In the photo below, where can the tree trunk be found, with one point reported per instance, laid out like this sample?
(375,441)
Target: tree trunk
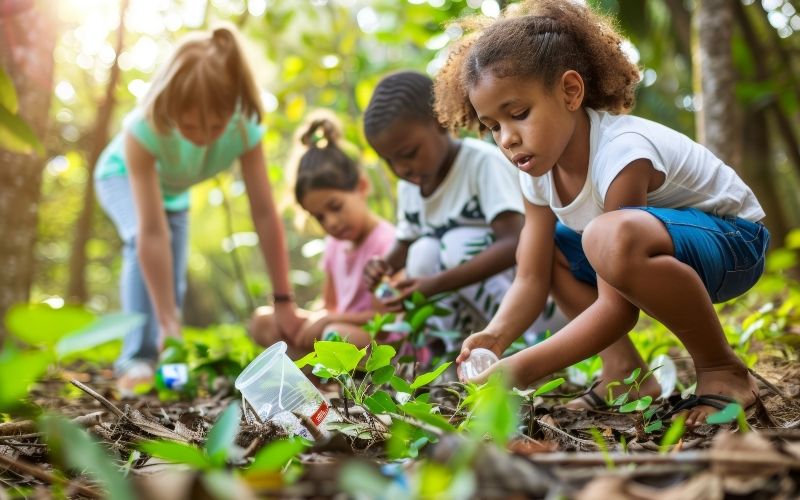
(715,79)
(27,39)
(76,289)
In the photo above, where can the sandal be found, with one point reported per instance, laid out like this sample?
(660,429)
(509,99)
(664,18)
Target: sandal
(716,401)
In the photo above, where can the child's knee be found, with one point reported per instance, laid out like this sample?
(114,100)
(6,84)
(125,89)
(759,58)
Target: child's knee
(609,242)
(462,244)
(423,258)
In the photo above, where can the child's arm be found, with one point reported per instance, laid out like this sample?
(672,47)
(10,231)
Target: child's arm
(527,295)
(153,240)
(270,234)
(497,257)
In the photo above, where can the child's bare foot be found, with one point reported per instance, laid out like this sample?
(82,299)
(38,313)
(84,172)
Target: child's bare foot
(734,382)
(596,398)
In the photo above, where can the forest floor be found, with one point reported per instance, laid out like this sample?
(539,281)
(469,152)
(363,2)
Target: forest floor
(556,453)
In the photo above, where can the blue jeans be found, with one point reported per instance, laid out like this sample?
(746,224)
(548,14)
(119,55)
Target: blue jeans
(728,253)
(116,199)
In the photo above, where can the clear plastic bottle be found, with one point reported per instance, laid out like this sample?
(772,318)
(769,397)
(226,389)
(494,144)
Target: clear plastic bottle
(479,360)
(385,290)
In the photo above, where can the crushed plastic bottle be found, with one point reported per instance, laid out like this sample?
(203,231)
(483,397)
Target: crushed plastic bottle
(385,290)
(479,360)
(172,376)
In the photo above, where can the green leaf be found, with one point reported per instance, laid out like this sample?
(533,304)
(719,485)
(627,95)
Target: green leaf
(105,329)
(380,402)
(420,316)
(308,359)
(380,357)
(653,426)
(633,376)
(18,370)
(673,434)
(16,135)
(621,399)
(400,385)
(382,375)
(640,404)
(39,324)
(338,357)
(178,453)
(273,457)
(725,415)
(74,447)
(427,378)
(494,412)
(548,387)
(422,412)
(8,94)
(222,437)
(322,372)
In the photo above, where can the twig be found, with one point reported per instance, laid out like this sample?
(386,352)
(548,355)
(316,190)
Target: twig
(252,447)
(27,428)
(309,425)
(687,457)
(43,475)
(770,386)
(555,429)
(103,401)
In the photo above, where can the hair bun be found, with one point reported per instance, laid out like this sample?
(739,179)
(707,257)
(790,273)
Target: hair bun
(223,38)
(330,133)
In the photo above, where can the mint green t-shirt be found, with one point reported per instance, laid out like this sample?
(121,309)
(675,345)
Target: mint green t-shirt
(180,164)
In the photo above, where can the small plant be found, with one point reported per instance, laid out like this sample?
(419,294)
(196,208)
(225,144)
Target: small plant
(641,405)
(531,394)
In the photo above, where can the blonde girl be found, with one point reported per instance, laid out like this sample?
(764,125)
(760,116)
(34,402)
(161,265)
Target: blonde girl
(621,214)
(201,114)
(331,187)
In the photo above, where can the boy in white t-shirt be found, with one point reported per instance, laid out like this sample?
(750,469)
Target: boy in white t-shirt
(460,209)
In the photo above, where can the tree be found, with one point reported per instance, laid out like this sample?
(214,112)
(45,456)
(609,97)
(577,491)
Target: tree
(26,53)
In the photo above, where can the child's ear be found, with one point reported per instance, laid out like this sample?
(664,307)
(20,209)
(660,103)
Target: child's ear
(363,185)
(573,88)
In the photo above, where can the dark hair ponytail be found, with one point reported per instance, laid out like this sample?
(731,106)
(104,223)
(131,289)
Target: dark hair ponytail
(324,165)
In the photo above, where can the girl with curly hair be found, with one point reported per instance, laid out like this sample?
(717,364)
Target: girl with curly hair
(622,214)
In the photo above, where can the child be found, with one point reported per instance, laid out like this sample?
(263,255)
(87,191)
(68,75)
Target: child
(201,114)
(622,214)
(331,188)
(459,209)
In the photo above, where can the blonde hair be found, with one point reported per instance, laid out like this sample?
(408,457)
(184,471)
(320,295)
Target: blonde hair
(208,72)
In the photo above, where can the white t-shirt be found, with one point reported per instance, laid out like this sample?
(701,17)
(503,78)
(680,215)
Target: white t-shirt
(480,185)
(695,178)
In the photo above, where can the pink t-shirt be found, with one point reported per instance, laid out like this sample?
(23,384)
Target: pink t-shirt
(345,266)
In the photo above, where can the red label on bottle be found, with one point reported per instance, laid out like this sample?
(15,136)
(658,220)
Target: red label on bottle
(320,414)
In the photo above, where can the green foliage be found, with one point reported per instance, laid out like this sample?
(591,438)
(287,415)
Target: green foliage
(274,456)
(493,411)
(15,134)
(673,434)
(731,412)
(218,449)
(72,447)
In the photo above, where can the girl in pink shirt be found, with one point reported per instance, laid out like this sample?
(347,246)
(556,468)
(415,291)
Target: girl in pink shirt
(331,187)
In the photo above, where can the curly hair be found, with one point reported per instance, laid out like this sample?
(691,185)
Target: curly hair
(324,164)
(540,39)
(406,94)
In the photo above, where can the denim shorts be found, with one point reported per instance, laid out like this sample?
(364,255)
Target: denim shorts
(727,253)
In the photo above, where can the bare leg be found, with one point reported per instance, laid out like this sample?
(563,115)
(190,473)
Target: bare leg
(353,333)
(633,252)
(619,359)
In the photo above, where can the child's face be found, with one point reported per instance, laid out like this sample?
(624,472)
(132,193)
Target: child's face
(417,151)
(533,126)
(342,214)
(191,127)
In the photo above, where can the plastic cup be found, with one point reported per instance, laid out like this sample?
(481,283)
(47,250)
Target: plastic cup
(479,360)
(275,389)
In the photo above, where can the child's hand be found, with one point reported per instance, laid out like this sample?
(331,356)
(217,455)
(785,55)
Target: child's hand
(287,320)
(487,340)
(406,288)
(375,270)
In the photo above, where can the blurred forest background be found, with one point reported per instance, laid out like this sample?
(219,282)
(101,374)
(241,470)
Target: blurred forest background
(726,72)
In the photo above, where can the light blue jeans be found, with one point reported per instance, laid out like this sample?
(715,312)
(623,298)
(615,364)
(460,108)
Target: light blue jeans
(116,199)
